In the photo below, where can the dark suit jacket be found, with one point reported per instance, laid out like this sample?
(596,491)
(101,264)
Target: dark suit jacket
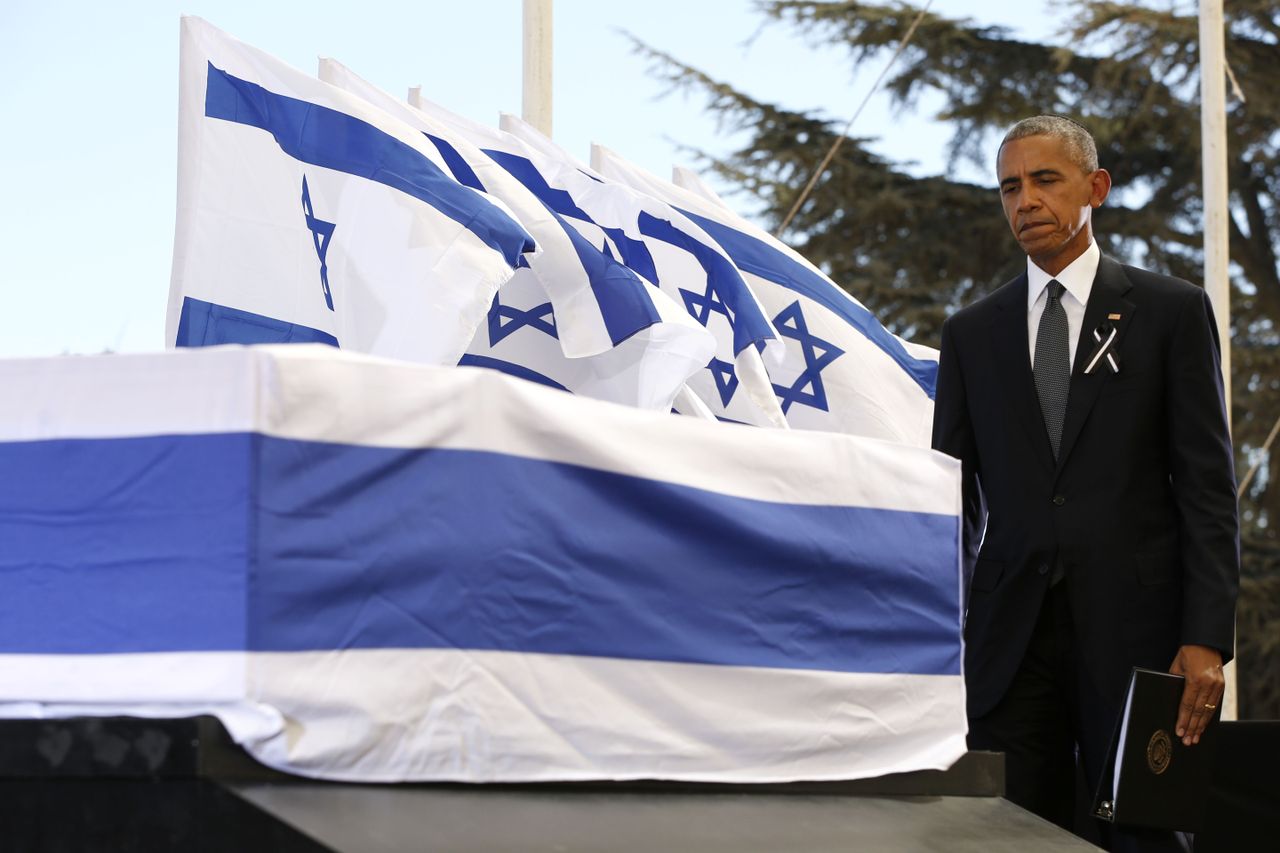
(1140,506)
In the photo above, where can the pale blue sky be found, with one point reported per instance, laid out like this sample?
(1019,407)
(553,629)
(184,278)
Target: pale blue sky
(89,106)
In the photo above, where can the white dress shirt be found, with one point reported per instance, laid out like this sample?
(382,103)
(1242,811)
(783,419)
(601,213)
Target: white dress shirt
(1077,278)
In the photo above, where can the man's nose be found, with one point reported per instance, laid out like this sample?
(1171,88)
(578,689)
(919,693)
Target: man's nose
(1028,199)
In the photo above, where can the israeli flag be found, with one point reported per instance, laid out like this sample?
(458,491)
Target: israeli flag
(663,247)
(572,317)
(843,371)
(377,571)
(304,214)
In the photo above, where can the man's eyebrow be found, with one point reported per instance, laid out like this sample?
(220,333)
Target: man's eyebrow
(1038,173)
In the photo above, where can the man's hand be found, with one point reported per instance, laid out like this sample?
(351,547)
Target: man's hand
(1202,667)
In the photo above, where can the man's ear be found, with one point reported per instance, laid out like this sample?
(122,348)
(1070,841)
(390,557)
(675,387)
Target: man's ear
(1099,187)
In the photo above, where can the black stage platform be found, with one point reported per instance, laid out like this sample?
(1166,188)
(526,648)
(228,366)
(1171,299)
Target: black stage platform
(126,784)
(117,784)
(397,819)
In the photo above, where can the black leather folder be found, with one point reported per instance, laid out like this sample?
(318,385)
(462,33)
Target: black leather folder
(1150,778)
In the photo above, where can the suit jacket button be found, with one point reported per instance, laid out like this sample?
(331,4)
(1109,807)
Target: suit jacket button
(1059,500)
(1043,568)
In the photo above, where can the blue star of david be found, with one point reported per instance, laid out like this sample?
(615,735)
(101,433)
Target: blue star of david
(321,233)
(726,379)
(505,320)
(808,389)
(700,305)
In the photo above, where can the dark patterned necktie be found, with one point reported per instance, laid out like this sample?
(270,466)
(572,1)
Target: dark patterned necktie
(1053,365)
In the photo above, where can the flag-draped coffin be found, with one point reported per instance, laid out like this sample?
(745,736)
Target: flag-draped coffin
(377,570)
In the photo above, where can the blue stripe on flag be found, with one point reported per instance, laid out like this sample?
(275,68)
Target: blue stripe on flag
(749,325)
(140,544)
(635,253)
(753,255)
(125,545)
(509,368)
(205,324)
(334,140)
(625,304)
(462,171)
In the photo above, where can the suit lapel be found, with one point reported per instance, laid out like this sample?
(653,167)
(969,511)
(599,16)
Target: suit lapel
(1013,364)
(1106,299)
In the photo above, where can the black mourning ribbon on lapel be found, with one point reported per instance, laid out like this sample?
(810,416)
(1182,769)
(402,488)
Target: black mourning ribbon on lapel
(1105,353)
(1053,364)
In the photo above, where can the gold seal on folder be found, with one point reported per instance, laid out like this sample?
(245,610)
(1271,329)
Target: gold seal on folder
(1159,751)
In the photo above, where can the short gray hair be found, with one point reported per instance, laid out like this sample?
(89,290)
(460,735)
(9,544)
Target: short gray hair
(1079,142)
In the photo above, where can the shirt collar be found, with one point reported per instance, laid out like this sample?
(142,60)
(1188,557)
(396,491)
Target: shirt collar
(1077,278)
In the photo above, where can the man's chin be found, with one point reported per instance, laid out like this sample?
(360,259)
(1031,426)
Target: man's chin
(1041,248)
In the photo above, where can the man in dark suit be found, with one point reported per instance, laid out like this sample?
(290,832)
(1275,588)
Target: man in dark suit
(1085,401)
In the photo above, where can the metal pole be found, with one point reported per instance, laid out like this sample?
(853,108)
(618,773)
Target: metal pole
(1213,147)
(537,65)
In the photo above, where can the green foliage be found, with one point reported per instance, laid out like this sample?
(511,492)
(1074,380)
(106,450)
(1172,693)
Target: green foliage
(1258,628)
(913,249)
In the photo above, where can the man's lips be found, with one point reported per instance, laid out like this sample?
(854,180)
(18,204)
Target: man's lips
(1033,225)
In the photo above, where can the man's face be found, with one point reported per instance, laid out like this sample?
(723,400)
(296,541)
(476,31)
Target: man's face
(1048,199)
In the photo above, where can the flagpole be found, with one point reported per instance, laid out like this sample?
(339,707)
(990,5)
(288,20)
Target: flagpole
(536,109)
(1213,148)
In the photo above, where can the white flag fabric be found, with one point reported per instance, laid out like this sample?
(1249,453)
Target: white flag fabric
(660,245)
(306,215)
(843,371)
(683,177)
(572,318)
(375,570)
